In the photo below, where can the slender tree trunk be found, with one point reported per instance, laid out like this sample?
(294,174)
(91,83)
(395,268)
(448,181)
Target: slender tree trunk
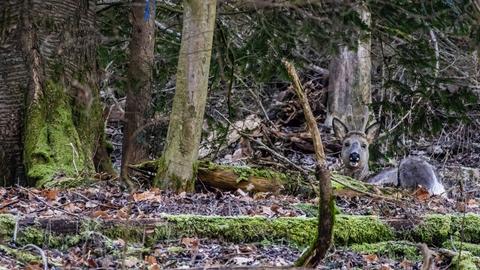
(176,170)
(349,83)
(326,216)
(139,85)
(50,114)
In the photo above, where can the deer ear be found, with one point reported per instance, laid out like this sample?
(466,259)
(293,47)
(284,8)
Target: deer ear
(339,128)
(372,131)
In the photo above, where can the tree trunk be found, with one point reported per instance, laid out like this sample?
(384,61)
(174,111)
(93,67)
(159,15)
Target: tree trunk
(349,83)
(176,170)
(139,85)
(51,117)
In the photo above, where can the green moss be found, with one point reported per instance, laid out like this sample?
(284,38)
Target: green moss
(238,229)
(467,228)
(360,229)
(298,231)
(21,255)
(7,225)
(127,233)
(338,179)
(309,209)
(434,229)
(244,173)
(474,249)
(391,249)
(52,144)
(466,262)
(175,250)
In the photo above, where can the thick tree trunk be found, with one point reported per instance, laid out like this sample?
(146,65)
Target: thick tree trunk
(49,48)
(139,85)
(349,83)
(177,169)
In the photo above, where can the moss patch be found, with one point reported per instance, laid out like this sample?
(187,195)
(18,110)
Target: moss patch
(52,144)
(435,229)
(360,229)
(474,249)
(469,225)
(390,249)
(466,262)
(298,231)
(21,255)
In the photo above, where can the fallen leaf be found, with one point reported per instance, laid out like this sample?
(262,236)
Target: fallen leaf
(370,258)
(421,194)
(406,264)
(90,204)
(267,211)
(100,213)
(150,260)
(190,242)
(50,194)
(385,267)
(33,267)
(241,260)
(72,208)
(146,196)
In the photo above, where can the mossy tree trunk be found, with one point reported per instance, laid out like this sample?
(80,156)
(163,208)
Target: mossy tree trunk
(349,83)
(51,117)
(139,85)
(176,170)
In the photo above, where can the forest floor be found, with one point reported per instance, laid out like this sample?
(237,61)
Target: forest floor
(106,200)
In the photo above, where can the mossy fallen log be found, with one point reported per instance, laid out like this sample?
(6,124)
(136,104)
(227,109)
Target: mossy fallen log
(433,230)
(251,179)
(399,250)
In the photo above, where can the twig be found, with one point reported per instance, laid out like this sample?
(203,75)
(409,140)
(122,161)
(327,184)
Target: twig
(264,146)
(9,203)
(46,203)
(41,252)
(74,154)
(15,229)
(428,256)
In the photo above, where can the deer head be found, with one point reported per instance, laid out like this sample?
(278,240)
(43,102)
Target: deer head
(355,145)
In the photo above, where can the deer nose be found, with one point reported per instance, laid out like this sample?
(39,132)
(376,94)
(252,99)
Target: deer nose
(354,157)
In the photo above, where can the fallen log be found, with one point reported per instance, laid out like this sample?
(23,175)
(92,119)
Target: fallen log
(434,230)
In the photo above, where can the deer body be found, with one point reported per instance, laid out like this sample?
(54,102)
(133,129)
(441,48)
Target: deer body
(411,172)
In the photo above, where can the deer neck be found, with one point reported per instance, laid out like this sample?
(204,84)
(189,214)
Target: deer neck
(358,173)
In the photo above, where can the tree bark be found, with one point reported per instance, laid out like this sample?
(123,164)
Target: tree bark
(326,217)
(139,84)
(176,170)
(51,117)
(349,82)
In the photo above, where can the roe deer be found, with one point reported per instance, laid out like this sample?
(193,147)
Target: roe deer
(411,172)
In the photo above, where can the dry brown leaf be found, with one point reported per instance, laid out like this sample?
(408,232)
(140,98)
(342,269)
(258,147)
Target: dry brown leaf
(370,258)
(100,213)
(72,208)
(146,196)
(421,194)
(191,243)
(50,194)
(151,260)
(154,267)
(33,266)
(406,264)
(123,212)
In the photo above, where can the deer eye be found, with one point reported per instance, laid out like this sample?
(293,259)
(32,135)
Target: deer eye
(347,144)
(364,145)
